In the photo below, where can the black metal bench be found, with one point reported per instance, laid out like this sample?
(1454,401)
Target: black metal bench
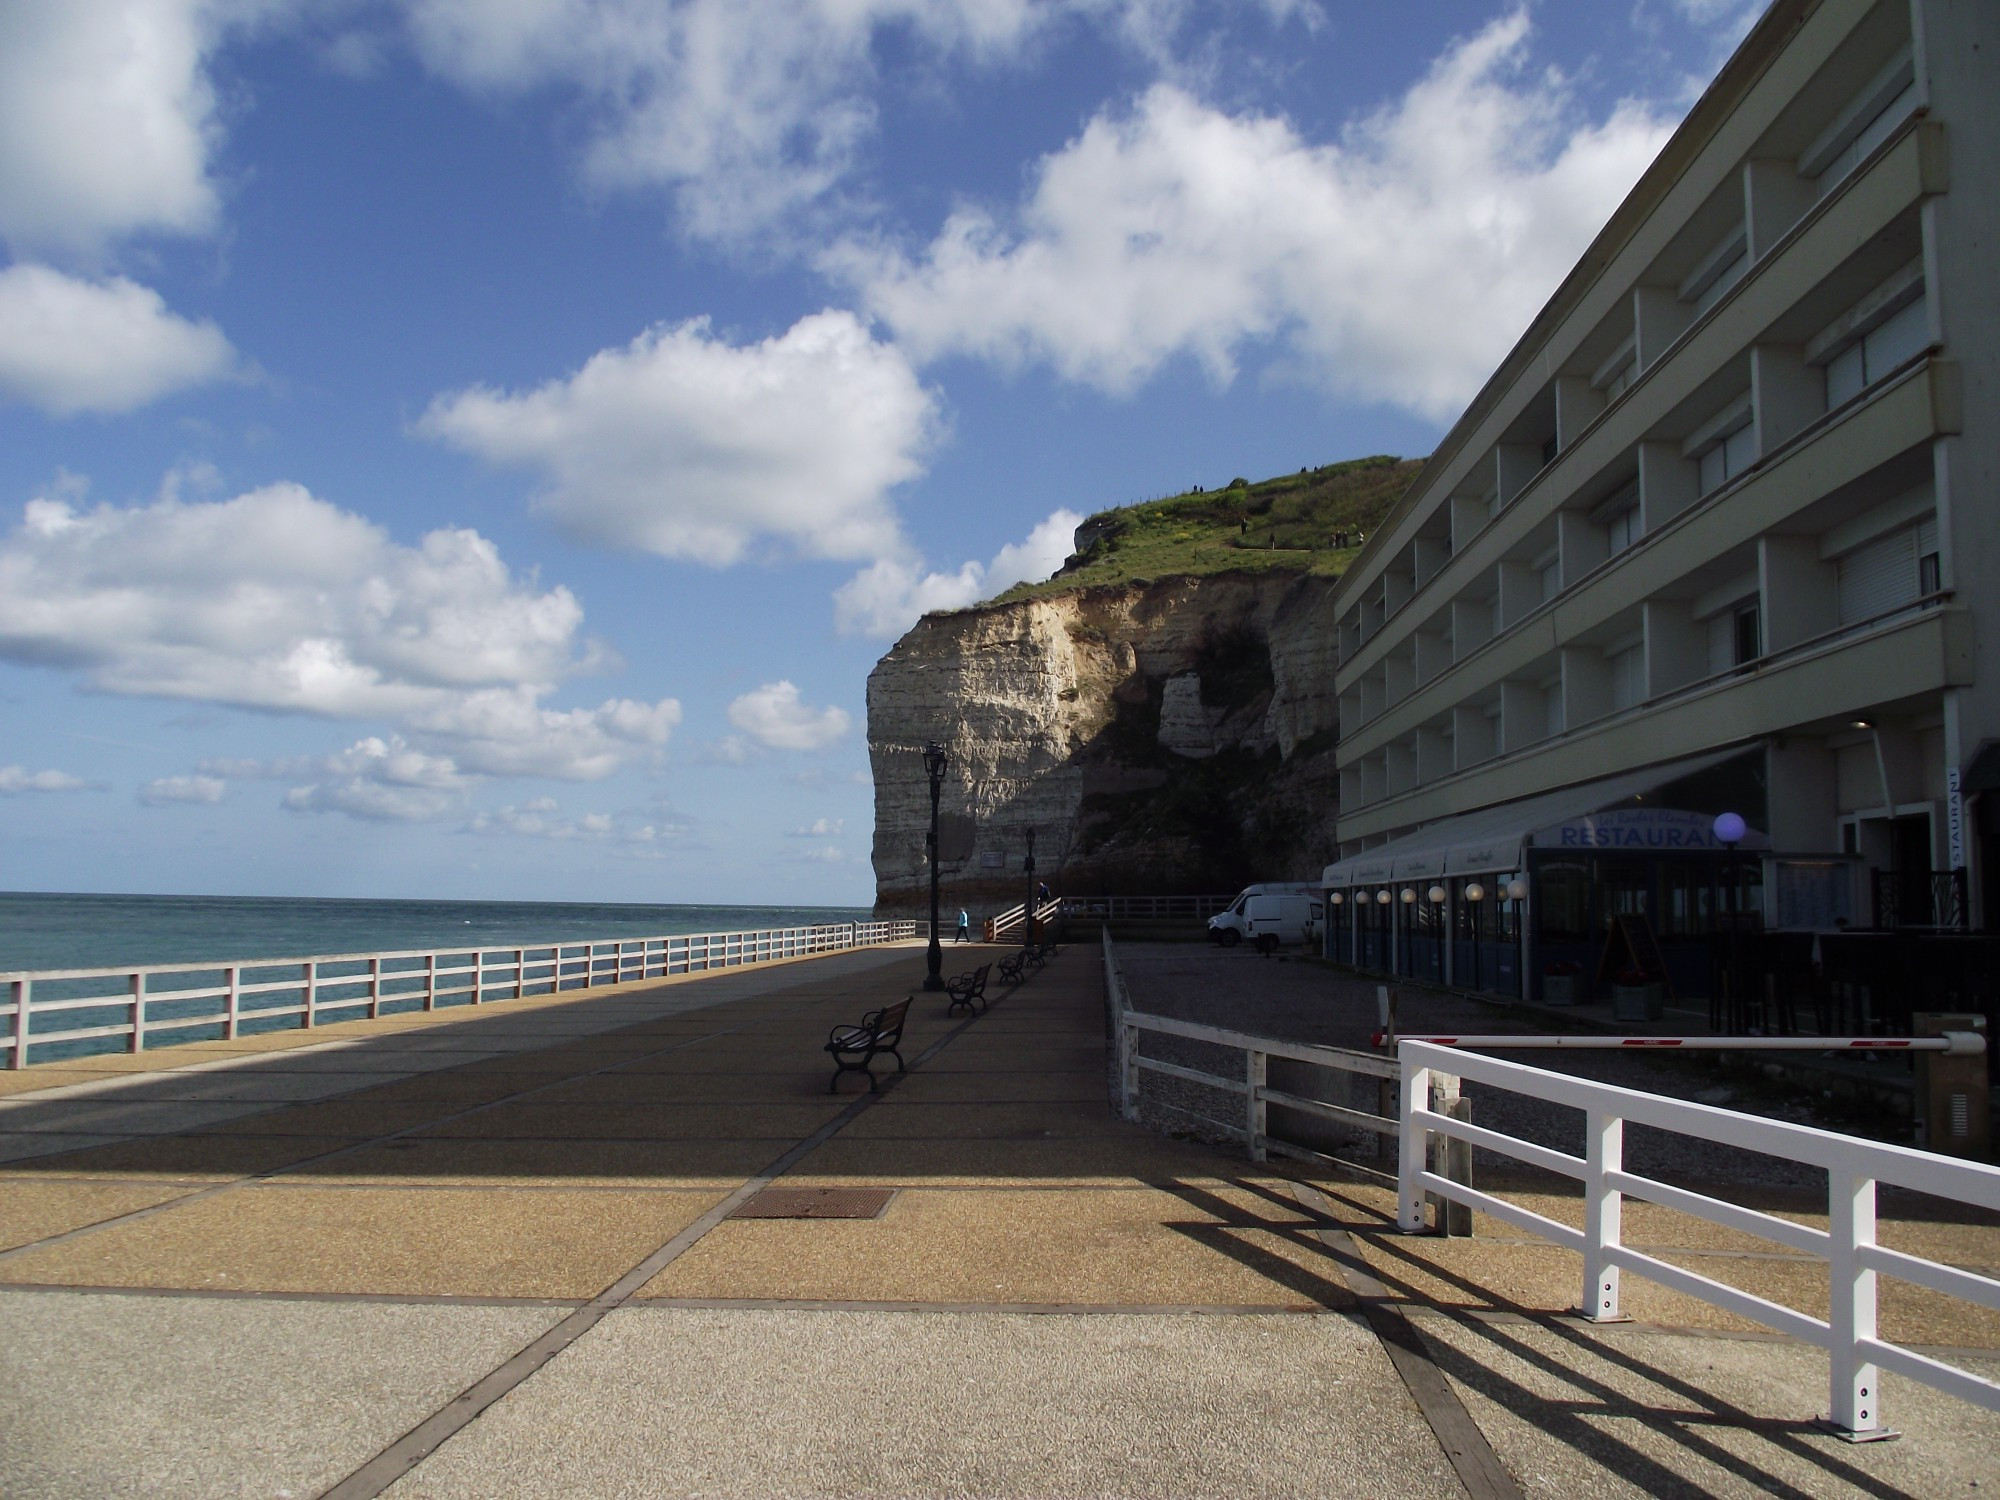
(968,990)
(1014,967)
(854,1047)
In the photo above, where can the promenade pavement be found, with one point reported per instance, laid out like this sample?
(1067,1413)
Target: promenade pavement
(495,1252)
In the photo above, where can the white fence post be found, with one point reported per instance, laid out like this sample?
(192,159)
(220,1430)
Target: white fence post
(1256,1068)
(1410,1147)
(233,1011)
(312,993)
(1856,1383)
(430,981)
(1603,1216)
(138,1002)
(374,989)
(22,988)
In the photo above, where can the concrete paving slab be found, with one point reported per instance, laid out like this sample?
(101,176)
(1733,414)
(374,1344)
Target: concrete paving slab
(115,1116)
(932,1087)
(31,1211)
(1202,1247)
(533,1120)
(974,1119)
(454,1086)
(25,1147)
(1005,1163)
(358,1118)
(49,1076)
(1623,1412)
(785,1086)
(246,1084)
(683,1402)
(469,1242)
(182,1156)
(104,1397)
(599,1163)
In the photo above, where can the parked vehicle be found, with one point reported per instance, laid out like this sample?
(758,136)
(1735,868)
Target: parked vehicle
(1269,915)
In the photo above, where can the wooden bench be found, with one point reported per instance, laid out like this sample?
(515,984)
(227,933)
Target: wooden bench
(968,990)
(854,1047)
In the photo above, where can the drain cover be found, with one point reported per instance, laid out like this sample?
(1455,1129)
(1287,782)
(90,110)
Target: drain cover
(816,1203)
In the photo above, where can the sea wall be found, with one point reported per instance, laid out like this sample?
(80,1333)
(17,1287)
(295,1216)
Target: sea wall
(1159,736)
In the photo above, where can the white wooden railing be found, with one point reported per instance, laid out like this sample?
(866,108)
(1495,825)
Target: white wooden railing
(1008,922)
(1147,908)
(154,1005)
(1857,1353)
(1252,1087)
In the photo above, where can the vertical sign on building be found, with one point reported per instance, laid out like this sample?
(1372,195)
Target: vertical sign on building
(1954,817)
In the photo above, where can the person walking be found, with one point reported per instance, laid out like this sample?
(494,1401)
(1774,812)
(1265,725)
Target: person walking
(964,927)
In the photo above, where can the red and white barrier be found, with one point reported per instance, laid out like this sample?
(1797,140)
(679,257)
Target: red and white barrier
(1953,1043)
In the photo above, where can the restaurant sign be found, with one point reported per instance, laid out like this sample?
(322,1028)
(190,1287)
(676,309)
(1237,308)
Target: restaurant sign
(1641,830)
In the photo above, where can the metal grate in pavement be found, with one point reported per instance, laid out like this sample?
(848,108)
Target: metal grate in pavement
(815,1203)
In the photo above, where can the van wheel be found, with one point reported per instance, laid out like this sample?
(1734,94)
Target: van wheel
(1267,942)
(1230,937)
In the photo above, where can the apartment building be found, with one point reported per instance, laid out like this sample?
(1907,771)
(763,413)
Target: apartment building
(1718,537)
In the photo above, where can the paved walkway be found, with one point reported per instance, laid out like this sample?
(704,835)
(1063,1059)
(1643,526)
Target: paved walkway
(492,1252)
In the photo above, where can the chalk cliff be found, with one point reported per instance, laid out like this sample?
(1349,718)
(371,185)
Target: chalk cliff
(1166,735)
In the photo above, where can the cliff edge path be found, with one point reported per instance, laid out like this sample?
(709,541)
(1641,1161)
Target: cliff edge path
(555,1247)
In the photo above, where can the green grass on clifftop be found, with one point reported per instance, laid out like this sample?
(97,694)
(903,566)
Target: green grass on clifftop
(1291,522)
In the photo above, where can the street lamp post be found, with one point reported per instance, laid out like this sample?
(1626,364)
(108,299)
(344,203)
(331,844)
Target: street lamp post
(934,764)
(1474,894)
(1729,831)
(1028,908)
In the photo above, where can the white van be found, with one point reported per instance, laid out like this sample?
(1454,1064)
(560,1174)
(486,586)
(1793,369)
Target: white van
(1269,915)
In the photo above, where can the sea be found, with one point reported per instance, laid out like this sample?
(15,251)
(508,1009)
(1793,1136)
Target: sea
(55,931)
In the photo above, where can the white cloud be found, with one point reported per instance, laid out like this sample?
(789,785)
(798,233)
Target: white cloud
(542,818)
(889,595)
(685,445)
(749,109)
(820,828)
(279,601)
(1397,265)
(206,790)
(14,779)
(774,716)
(106,119)
(68,345)
(383,781)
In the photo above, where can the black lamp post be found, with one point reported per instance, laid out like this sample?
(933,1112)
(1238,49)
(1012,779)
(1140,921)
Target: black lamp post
(1729,830)
(934,764)
(1028,910)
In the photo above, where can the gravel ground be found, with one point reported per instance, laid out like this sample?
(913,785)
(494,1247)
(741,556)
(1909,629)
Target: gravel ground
(1305,1000)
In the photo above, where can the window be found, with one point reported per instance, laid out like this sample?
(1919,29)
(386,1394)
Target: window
(1724,446)
(1869,119)
(1735,637)
(1628,676)
(1718,271)
(1619,516)
(1550,575)
(1748,633)
(1889,572)
(1861,362)
(1615,376)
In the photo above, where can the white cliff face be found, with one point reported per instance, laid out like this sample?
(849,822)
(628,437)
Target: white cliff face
(1156,737)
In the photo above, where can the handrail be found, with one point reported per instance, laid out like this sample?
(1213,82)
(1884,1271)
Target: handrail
(1253,1087)
(347,982)
(1854,1259)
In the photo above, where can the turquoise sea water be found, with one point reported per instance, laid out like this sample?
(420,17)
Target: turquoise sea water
(53,931)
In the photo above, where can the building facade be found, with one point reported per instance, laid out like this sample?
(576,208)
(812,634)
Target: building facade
(1718,537)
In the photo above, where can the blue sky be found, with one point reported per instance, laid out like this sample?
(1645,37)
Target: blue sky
(478,448)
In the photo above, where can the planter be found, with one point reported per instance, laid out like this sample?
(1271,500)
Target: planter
(1559,989)
(1638,1002)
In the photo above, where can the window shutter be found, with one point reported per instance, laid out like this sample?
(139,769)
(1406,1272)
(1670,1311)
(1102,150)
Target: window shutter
(1878,577)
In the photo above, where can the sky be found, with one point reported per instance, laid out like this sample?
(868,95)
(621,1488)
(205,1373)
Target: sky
(479,448)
